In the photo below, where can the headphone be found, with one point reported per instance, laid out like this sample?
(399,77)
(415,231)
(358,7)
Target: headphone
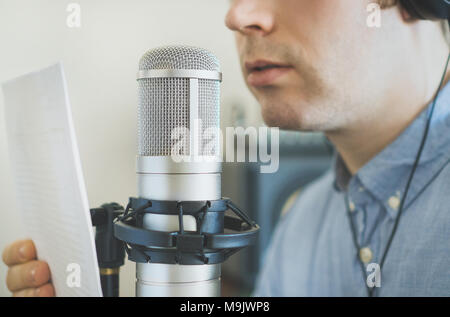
(428,9)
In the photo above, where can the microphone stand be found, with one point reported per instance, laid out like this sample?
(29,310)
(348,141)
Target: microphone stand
(110,251)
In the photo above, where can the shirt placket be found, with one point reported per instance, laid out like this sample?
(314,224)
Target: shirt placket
(365,213)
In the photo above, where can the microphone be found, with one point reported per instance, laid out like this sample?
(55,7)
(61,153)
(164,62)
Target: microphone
(182,94)
(176,230)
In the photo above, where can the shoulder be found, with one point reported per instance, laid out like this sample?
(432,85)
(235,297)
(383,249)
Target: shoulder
(311,199)
(306,216)
(292,241)
(434,197)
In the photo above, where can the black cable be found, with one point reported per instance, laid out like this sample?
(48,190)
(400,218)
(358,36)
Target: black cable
(416,162)
(370,291)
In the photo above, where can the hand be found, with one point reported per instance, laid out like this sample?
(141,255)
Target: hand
(26,277)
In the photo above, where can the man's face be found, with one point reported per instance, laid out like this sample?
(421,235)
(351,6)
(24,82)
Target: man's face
(314,64)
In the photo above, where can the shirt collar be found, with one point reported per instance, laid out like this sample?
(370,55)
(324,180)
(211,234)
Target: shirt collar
(386,175)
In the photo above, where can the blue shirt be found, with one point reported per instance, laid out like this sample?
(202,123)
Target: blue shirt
(312,252)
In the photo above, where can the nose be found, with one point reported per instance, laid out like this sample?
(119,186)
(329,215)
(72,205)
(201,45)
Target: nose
(250,17)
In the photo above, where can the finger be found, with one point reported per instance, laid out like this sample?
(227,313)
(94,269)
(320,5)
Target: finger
(19,252)
(29,292)
(46,290)
(27,275)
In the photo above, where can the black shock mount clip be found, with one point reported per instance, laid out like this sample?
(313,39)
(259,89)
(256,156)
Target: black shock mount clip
(216,238)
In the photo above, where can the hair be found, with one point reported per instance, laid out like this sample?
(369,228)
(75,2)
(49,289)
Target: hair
(444,24)
(446,30)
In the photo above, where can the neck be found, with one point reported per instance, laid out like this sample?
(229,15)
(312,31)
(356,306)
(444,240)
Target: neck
(359,143)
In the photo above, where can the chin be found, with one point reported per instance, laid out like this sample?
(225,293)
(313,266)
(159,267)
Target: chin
(280,116)
(281,108)
(299,117)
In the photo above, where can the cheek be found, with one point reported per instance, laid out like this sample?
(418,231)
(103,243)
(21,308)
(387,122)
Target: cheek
(239,40)
(323,27)
(240,46)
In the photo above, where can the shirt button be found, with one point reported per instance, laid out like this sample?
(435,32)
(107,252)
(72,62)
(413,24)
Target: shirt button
(351,206)
(394,202)
(365,255)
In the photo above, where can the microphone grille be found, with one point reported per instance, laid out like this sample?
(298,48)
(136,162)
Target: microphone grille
(179,57)
(164,103)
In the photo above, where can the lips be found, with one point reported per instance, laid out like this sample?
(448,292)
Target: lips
(263,73)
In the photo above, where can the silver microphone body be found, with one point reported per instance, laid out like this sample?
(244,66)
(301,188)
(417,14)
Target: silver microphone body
(178,85)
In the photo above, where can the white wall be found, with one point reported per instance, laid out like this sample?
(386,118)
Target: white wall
(100,61)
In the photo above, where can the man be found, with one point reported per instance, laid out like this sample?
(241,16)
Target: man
(317,66)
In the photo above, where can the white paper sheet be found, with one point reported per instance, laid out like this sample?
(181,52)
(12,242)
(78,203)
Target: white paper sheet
(49,181)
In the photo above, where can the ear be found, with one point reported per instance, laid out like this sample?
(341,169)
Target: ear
(406,16)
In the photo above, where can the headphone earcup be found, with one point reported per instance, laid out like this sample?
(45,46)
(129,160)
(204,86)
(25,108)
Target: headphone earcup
(427,9)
